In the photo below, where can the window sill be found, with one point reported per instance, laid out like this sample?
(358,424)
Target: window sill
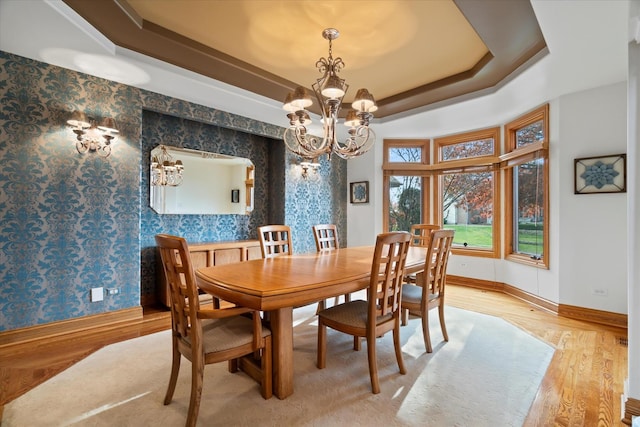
(526,260)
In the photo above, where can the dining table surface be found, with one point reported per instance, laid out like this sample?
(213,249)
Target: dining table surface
(277,285)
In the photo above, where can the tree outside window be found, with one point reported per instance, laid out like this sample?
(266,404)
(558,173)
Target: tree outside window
(468,189)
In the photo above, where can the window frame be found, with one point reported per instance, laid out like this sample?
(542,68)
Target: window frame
(487,163)
(406,169)
(514,157)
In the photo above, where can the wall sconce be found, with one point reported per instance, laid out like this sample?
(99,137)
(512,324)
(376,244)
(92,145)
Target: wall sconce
(91,137)
(309,164)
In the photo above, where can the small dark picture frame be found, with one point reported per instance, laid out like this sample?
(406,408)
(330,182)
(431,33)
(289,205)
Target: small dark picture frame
(360,192)
(601,174)
(235,196)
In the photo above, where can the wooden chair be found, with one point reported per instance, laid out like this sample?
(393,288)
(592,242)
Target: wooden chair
(378,315)
(420,236)
(275,240)
(326,237)
(232,334)
(428,292)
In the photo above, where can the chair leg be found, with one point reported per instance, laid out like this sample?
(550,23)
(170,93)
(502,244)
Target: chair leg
(175,368)
(425,331)
(405,316)
(197,374)
(267,370)
(373,365)
(442,325)
(322,347)
(356,343)
(398,347)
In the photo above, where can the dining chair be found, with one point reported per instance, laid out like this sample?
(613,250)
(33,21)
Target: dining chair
(233,334)
(380,313)
(275,240)
(326,237)
(420,236)
(428,292)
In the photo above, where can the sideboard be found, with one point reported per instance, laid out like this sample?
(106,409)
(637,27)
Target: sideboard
(207,254)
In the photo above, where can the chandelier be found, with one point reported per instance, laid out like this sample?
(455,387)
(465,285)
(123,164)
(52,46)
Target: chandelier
(164,170)
(329,91)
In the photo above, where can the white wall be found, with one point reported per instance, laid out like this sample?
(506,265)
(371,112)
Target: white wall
(364,220)
(593,227)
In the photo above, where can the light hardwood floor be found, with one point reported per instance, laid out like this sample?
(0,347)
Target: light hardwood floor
(582,386)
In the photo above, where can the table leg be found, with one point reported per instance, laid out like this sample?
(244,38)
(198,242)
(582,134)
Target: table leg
(282,332)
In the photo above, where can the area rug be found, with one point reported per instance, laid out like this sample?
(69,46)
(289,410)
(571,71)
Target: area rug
(486,375)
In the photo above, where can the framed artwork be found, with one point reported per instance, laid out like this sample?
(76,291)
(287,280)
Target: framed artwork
(603,174)
(360,192)
(235,196)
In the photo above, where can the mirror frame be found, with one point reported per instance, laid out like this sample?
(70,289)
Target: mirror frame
(237,199)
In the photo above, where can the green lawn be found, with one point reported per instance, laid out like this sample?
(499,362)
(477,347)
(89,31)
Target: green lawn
(480,236)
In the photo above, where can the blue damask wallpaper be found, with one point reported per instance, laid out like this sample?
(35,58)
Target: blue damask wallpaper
(178,132)
(71,222)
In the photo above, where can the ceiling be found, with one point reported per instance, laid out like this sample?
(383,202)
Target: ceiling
(409,54)
(586,47)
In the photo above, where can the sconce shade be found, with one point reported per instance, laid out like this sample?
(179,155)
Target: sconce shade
(333,88)
(288,103)
(79,119)
(352,119)
(301,99)
(364,101)
(108,125)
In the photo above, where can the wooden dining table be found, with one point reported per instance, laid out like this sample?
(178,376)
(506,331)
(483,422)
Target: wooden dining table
(277,285)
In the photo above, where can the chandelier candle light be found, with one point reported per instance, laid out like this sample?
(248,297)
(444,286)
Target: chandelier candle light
(165,171)
(329,90)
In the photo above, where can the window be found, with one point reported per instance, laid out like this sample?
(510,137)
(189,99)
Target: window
(456,181)
(526,165)
(468,190)
(406,188)
(405,202)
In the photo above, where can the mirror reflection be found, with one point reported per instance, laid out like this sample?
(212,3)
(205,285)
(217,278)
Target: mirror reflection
(210,183)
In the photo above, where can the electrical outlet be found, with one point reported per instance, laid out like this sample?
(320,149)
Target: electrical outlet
(97,294)
(600,292)
(113,291)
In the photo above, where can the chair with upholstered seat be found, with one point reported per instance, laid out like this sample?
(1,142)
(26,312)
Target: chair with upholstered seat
(380,313)
(234,334)
(326,237)
(275,240)
(429,290)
